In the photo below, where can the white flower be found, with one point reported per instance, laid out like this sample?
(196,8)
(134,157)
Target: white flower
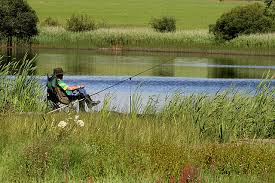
(76,117)
(62,124)
(80,123)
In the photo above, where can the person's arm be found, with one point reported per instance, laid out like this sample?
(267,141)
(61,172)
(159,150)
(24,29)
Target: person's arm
(75,87)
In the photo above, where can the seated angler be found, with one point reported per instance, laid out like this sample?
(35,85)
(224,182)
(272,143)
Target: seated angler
(74,91)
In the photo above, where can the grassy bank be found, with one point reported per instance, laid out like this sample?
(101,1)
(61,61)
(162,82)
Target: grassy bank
(148,40)
(192,138)
(190,14)
(123,148)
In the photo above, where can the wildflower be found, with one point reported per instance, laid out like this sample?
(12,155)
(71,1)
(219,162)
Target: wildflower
(80,123)
(76,117)
(62,124)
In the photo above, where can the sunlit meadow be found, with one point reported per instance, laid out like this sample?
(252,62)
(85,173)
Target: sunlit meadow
(226,137)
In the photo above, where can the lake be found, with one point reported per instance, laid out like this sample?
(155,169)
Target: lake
(167,73)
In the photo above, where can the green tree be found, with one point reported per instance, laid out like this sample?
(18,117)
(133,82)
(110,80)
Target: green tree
(17,19)
(270,9)
(268,2)
(242,20)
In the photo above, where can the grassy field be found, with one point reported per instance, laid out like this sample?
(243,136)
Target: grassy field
(126,148)
(203,138)
(190,14)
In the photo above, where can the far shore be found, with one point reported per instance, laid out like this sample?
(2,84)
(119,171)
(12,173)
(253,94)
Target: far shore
(148,40)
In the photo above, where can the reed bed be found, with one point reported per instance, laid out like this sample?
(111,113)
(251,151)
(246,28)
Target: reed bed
(147,39)
(20,91)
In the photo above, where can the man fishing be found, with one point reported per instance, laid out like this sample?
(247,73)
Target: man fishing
(73,91)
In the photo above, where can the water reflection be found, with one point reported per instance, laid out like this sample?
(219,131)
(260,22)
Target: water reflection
(222,72)
(166,69)
(240,67)
(105,63)
(18,54)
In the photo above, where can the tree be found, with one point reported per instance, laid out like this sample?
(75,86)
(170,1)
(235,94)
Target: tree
(270,9)
(268,3)
(17,19)
(242,20)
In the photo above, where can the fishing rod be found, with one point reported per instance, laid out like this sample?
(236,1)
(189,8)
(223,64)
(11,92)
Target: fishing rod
(118,83)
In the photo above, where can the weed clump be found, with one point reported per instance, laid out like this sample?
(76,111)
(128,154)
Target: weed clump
(164,24)
(20,92)
(80,23)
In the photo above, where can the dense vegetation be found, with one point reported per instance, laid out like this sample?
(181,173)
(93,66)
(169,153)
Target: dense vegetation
(18,20)
(127,148)
(79,23)
(164,24)
(146,39)
(20,92)
(242,20)
(198,137)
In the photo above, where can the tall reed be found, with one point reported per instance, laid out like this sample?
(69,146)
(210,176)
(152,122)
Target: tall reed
(20,91)
(146,39)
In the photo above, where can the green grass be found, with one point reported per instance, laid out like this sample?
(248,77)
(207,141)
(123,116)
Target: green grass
(20,92)
(146,39)
(217,137)
(123,148)
(190,14)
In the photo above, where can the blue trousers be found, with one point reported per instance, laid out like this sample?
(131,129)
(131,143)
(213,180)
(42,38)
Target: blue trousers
(79,92)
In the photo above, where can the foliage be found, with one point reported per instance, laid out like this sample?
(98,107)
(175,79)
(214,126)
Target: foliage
(21,92)
(49,21)
(131,148)
(17,19)
(270,9)
(80,23)
(219,134)
(242,20)
(164,24)
(147,39)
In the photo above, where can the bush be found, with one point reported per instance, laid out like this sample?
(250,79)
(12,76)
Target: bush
(164,24)
(49,21)
(79,23)
(242,20)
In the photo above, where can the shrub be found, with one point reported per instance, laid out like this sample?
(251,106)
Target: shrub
(242,20)
(164,24)
(49,21)
(79,23)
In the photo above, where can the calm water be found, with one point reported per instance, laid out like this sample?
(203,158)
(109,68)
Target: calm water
(179,73)
(174,65)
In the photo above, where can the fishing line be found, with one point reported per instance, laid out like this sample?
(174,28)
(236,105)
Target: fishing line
(118,83)
(130,96)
